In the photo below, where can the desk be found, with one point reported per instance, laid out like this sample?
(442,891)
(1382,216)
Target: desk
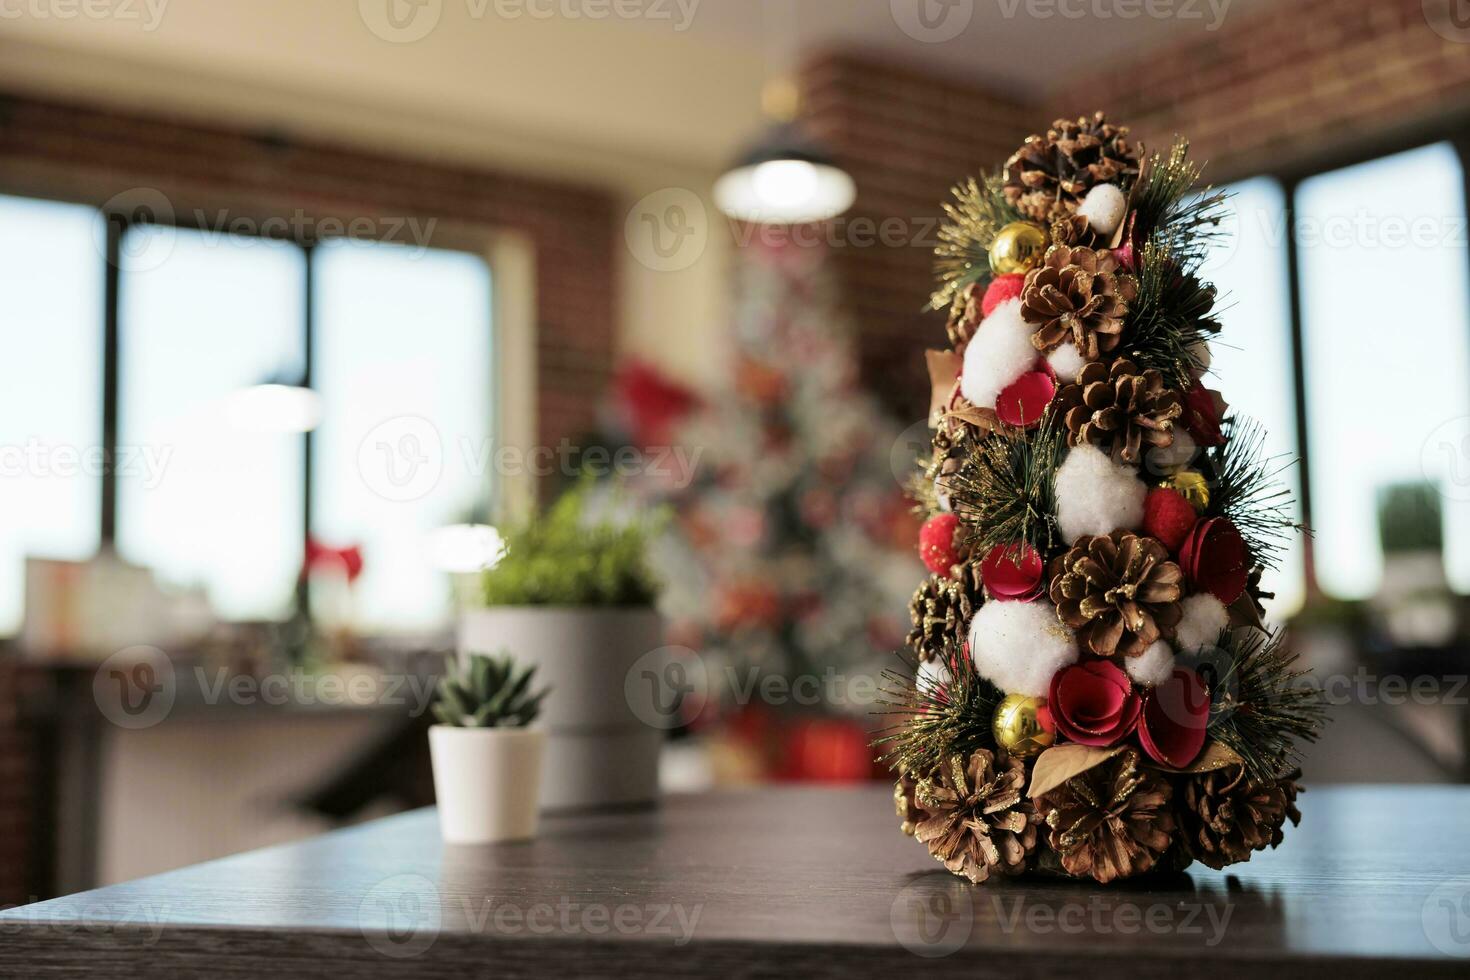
(788,882)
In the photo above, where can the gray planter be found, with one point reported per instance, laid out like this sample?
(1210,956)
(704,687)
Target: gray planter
(600,751)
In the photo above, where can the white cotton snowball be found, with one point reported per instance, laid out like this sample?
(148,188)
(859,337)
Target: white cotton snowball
(1096,495)
(932,675)
(1066,361)
(999,353)
(1163,460)
(1204,618)
(1153,666)
(1103,207)
(1199,352)
(1018,646)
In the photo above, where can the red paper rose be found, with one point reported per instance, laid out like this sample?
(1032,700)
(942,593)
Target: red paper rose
(1175,716)
(937,545)
(1215,558)
(1203,411)
(1093,703)
(1012,572)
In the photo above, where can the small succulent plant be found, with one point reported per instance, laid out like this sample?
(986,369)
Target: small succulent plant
(487,692)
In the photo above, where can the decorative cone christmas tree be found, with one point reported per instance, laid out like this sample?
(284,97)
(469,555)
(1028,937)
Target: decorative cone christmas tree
(1095,693)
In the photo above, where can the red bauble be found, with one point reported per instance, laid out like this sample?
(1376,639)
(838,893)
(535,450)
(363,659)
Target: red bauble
(1175,716)
(937,543)
(1168,516)
(1215,558)
(1024,401)
(1012,572)
(1001,288)
(1093,703)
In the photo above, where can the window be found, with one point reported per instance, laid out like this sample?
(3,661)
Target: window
(51,287)
(404,445)
(1386,327)
(1251,357)
(201,316)
(388,335)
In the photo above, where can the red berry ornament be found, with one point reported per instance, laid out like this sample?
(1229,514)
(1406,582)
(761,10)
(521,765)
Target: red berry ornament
(937,543)
(1001,288)
(1168,516)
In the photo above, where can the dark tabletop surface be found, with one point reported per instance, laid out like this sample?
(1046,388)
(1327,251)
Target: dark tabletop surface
(786,882)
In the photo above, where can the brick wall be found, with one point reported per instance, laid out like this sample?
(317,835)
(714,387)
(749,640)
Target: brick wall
(1301,83)
(906,137)
(90,154)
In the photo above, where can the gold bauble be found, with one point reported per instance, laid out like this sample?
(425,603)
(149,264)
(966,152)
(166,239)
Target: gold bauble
(1192,486)
(1017,247)
(1016,728)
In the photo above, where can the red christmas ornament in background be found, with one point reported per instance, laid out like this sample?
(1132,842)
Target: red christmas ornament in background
(1215,559)
(937,543)
(1175,716)
(1012,572)
(1093,703)
(1168,516)
(1001,288)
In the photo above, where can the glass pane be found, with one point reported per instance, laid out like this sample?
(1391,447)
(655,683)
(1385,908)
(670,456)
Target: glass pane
(403,364)
(1251,363)
(51,285)
(203,315)
(1383,277)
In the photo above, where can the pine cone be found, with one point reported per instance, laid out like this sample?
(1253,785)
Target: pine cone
(1077,294)
(940,611)
(903,802)
(975,819)
(1073,229)
(1119,591)
(1049,175)
(965,314)
(1225,815)
(1112,821)
(1120,408)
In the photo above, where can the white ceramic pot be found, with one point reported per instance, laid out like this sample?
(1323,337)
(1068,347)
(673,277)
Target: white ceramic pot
(486,782)
(601,750)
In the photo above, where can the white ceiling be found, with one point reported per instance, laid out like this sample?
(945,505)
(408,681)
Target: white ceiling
(569,85)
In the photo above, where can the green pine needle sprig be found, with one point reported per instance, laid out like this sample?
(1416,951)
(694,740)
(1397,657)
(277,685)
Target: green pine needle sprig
(936,721)
(1173,312)
(1171,213)
(1005,491)
(1263,708)
(1247,490)
(962,257)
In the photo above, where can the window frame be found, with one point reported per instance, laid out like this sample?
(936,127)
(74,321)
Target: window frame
(1290,180)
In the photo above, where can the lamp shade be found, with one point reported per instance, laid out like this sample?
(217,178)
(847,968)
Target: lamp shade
(784,179)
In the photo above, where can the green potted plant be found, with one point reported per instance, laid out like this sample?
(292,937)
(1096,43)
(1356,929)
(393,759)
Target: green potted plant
(572,593)
(486,758)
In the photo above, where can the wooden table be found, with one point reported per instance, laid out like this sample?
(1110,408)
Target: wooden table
(776,882)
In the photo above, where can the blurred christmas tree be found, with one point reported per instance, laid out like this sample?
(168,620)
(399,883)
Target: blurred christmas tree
(795,552)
